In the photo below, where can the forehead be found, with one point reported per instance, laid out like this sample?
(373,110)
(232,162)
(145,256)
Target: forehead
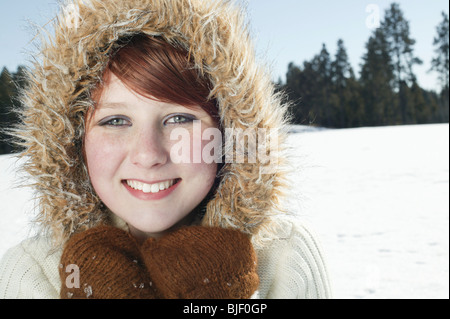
(113,90)
(115,95)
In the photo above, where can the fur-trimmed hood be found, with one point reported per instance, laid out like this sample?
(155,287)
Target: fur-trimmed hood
(70,64)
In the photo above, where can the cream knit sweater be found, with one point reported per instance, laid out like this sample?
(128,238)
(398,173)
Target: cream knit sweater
(290,267)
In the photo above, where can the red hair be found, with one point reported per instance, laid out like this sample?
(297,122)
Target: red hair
(155,69)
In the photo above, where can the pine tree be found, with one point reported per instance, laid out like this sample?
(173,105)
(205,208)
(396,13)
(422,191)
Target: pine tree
(376,79)
(355,104)
(440,62)
(310,89)
(423,111)
(341,68)
(322,106)
(9,85)
(341,75)
(444,106)
(292,89)
(401,48)
(302,87)
(6,93)
(6,86)
(432,112)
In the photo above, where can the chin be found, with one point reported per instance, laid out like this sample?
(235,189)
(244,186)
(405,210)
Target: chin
(156,229)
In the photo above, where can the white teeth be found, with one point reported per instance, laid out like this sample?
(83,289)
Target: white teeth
(150,188)
(146,188)
(155,188)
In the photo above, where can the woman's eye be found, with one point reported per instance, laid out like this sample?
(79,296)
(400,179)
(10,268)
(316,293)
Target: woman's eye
(179,119)
(115,122)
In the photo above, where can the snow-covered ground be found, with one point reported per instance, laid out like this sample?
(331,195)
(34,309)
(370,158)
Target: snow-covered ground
(377,197)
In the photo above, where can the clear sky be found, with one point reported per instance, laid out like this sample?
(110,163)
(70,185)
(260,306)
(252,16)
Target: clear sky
(284,30)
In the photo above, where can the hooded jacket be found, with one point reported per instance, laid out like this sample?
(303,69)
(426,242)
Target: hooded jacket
(249,196)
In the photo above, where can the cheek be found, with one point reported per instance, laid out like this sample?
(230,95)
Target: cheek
(210,149)
(201,178)
(205,169)
(197,167)
(199,145)
(206,145)
(102,156)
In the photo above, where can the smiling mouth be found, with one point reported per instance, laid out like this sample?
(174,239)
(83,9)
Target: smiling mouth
(152,188)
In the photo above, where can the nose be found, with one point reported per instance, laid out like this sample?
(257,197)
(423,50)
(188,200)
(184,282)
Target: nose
(148,149)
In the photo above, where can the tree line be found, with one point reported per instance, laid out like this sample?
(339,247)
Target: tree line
(10,84)
(325,90)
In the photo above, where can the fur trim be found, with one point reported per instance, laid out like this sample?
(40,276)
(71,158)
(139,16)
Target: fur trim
(71,63)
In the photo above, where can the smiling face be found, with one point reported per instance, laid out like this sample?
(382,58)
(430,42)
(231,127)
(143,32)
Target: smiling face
(127,147)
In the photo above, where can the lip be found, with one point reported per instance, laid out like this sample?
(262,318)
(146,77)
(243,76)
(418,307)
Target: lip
(151,196)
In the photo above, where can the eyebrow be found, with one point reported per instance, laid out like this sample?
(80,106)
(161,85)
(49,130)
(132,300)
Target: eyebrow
(112,105)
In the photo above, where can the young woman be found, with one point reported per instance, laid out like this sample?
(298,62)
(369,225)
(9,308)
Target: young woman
(142,193)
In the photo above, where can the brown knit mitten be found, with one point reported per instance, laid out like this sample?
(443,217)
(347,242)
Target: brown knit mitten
(109,264)
(202,262)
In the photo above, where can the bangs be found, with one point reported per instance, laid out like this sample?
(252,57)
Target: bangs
(157,70)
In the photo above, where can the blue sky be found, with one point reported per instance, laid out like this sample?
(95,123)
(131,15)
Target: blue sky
(284,30)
